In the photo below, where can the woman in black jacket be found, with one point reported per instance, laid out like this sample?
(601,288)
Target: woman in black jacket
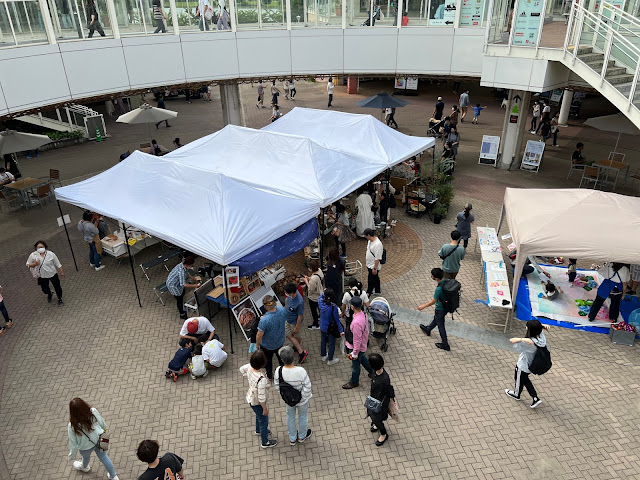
(381,389)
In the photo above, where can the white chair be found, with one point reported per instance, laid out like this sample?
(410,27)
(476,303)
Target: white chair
(590,175)
(574,166)
(616,156)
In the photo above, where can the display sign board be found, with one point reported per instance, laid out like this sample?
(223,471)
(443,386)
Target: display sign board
(412,83)
(489,150)
(401,83)
(445,14)
(556,96)
(527,23)
(532,156)
(406,83)
(471,13)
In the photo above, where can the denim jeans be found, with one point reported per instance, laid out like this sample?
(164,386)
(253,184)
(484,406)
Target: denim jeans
(303,421)
(102,456)
(325,338)
(355,368)
(94,256)
(262,423)
(438,321)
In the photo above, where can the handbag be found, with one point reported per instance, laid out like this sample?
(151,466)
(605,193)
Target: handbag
(373,404)
(35,271)
(103,440)
(333,329)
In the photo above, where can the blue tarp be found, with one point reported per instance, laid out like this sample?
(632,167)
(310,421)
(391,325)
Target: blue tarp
(278,249)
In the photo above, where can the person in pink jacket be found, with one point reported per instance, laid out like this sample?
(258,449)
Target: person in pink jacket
(360,329)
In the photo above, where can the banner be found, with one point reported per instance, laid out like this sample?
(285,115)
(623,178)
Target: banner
(445,14)
(471,13)
(527,23)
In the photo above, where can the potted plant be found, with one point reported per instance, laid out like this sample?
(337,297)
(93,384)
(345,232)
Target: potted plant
(443,190)
(439,212)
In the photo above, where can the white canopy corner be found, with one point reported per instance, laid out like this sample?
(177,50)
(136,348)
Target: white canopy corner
(578,223)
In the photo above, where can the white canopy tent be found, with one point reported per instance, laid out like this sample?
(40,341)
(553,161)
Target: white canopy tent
(589,225)
(352,133)
(230,193)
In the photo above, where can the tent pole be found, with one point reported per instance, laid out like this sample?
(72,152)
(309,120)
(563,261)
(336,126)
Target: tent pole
(226,287)
(67,232)
(322,226)
(133,272)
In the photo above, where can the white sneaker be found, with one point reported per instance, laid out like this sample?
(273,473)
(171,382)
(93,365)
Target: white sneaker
(93,265)
(333,362)
(324,359)
(78,466)
(206,372)
(112,478)
(100,268)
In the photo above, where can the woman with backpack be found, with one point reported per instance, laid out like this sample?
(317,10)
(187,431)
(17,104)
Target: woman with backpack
(527,346)
(84,431)
(616,277)
(330,326)
(314,290)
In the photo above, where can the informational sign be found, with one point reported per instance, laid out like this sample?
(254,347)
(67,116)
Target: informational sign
(412,83)
(67,220)
(532,156)
(401,83)
(527,24)
(406,83)
(233,276)
(556,96)
(445,14)
(489,150)
(471,13)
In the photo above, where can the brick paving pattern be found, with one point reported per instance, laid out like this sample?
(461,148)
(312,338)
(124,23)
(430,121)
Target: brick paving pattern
(455,423)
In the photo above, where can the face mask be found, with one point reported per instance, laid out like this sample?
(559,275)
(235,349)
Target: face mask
(41,250)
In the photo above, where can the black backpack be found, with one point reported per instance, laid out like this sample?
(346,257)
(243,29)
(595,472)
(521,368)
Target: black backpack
(451,291)
(289,394)
(541,362)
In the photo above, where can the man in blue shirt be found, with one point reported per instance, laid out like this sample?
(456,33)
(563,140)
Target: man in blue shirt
(177,282)
(295,312)
(438,317)
(270,336)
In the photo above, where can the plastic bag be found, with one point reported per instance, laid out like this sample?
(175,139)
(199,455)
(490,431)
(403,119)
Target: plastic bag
(342,346)
(252,348)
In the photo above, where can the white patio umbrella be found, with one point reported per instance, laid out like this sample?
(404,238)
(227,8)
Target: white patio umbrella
(147,114)
(614,123)
(12,141)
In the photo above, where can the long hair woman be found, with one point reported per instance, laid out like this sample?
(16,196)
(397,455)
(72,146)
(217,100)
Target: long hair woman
(85,427)
(465,219)
(335,270)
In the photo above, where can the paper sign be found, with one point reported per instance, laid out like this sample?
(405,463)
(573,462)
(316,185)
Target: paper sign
(67,220)
(506,236)
(512,247)
(233,276)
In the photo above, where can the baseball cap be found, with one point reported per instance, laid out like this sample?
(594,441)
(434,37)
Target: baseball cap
(368,232)
(356,302)
(192,326)
(439,98)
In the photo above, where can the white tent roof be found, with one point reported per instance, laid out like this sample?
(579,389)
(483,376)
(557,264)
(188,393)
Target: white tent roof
(589,225)
(351,133)
(227,194)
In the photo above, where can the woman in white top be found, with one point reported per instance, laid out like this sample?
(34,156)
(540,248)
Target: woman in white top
(44,266)
(257,396)
(364,218)
(292,89)
(84,430)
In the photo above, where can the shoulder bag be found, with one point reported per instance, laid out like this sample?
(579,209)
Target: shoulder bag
(103,440)
(450,252)
(288,392)
(333,329)
(373,404)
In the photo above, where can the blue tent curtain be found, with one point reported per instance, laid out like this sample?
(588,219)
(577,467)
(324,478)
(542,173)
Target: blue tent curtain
(282,247)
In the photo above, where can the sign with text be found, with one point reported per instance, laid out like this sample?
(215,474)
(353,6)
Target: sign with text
(489,150)
(532,156)
(445,14)
(527,23)
(471,13)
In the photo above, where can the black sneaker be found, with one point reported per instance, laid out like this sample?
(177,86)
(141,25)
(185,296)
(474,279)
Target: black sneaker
(536,402)
(49,297)
(444,347)
(426,330)
(511,393)
(183,316)
(302,440)
(270,444)
(60,302)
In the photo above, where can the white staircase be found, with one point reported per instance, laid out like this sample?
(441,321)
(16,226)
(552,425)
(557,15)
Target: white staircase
(68,119)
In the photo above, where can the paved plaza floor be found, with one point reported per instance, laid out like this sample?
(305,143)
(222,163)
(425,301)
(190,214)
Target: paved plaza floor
(456,422)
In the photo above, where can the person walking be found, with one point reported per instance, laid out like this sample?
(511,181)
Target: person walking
(292,89)
(286,86)
(314,290)
(381,390)
(92,15)
(373,259)
(177,282)
(464,105)
(391,112)
(464,221)
(454,116)
(7,320)
(554,129)
(453,138)
(287,377)
(616,278)
(169,466)
(330,87)
(257,396)
(44,266)
(451,255)
(438,110)
(534,119)
(260,103)
(360,336)
(271,332)
(335,272)
(205,16)
(364,214)
(84,430)
(527,347)
(163,107)
(329,313)
(438,317)
(546,115)
(159,16)
(89,232)
(275,92)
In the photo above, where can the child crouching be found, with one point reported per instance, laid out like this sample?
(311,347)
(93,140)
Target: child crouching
(177,364)
(197,363)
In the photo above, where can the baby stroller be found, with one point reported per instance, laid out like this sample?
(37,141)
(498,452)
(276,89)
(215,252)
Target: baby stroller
(434,128)
(382,318)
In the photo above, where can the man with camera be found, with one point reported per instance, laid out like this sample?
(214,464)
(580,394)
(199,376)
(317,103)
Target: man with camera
(451,254)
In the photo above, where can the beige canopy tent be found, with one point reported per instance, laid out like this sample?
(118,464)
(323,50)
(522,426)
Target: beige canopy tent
(589,225)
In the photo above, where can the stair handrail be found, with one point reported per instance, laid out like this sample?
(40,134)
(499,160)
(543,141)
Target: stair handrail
(620,12)
(82,110)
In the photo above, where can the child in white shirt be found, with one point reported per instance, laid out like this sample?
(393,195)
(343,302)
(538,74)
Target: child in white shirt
(213,353)
(197,363)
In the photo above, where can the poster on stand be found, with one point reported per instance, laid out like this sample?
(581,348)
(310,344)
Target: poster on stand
(556,96)
(489,150)
(401,83)
(532,156)
(412,83)
(247,316)
(233,276)
(444,14)
(527,23)
(471,13)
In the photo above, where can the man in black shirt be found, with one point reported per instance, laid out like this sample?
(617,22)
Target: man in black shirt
(577,158)
(92,17)
(169,466)
(437,113)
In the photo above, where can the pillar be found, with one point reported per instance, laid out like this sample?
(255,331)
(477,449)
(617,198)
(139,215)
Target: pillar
(514,126)
(231,105)
(567,98)
(48,25)
(174,17)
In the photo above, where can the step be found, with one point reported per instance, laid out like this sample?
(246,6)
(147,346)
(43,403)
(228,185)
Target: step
(615,71)
(615,79)
(625,88)
(597,64)
(581,50)
(592,57)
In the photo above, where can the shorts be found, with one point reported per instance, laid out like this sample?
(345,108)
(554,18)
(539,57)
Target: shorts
(635,273)
(288,328)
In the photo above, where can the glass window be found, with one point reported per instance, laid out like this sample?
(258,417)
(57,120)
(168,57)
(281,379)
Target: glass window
(273,13)
(471,13)
(247,14)
(316,13)
(7,37)
(24,24)
(442,12)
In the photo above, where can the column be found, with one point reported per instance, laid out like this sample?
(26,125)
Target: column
(567,98)
(231,105)
(46,18)
(111,11)
(174,17)
(513,128)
